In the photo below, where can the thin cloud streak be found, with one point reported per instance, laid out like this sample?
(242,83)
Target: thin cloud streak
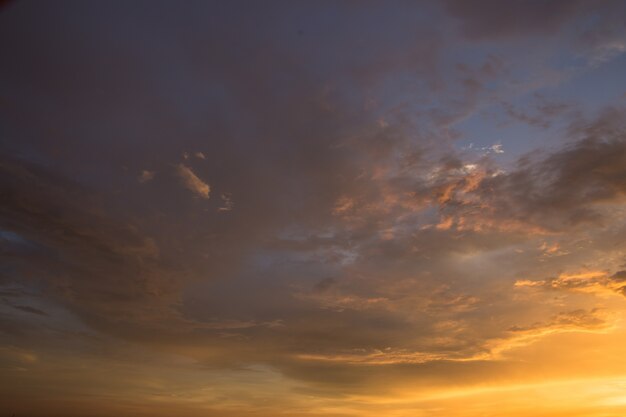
(193,182)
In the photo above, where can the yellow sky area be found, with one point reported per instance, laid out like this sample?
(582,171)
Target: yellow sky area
(592,397)
(562,374)
(584,397)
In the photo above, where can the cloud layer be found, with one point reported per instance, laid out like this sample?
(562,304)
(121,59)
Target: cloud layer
(312,209)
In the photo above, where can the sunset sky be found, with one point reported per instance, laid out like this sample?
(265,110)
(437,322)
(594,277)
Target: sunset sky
(313,208)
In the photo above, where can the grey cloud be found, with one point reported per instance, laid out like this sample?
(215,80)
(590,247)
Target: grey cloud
(565,190)
(86,259)
(32,310)
(490,19)
(324,284)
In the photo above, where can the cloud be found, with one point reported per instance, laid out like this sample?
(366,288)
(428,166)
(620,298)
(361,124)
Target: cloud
(90,262)
(193,182)
(593,282)
(146,176)
(490,19)
(569,188)
(227,202)
(566,321)
(580,320)
(368,252)
(32,310)
(594,321)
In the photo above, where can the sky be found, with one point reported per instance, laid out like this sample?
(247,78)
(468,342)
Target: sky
(313,208)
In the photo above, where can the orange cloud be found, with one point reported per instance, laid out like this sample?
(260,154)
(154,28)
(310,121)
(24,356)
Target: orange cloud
(193,182)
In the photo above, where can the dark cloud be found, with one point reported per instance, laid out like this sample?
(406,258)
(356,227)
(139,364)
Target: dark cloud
(32,310)
(86,258)
(565,190)
(487,19)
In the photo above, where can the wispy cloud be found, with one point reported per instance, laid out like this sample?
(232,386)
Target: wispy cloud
(193,182)
(146,176)
(227,202)
(593,282)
